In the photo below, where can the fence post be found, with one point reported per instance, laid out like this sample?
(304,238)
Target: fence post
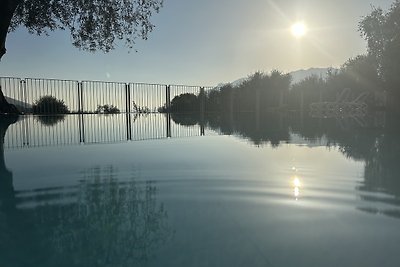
(202,100)
(202,96)
(168,97)
(80,113)
(128,98)
(168,109)
(128,111)
(79,98)
(23,95)
(168,118)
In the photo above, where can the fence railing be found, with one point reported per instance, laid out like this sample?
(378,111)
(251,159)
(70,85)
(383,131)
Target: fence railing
(91,96)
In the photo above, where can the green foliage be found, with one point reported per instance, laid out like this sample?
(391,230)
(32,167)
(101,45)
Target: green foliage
(94,25)
(49,105)
(359,74)
(381,31)
(139,109)
(107,109)
(185,103)
(311,89)
(260,90)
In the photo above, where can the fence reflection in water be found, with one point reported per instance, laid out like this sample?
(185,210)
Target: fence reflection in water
(74,129)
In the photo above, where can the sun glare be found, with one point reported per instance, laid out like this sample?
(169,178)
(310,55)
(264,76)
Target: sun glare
(299,29)
(296,182)
(296,187)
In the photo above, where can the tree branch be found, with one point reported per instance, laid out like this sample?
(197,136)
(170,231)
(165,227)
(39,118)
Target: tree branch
(7,9)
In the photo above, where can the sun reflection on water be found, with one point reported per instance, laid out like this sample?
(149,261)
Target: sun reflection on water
(296,183)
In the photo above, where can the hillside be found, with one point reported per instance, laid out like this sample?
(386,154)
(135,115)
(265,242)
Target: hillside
(297,76)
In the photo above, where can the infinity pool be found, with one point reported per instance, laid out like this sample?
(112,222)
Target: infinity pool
(203,199)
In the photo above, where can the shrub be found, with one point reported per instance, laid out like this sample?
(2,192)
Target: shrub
(107,109)
(49,105)
(139,109)
(185,103)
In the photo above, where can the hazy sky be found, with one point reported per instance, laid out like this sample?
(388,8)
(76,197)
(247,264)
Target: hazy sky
(204,43)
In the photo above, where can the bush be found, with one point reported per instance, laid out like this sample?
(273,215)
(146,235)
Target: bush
(139,109)
(107,109)
(185,103)
(49,105)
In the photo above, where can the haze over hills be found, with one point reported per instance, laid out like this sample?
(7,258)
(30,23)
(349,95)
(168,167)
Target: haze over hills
(297,76)
(21,106)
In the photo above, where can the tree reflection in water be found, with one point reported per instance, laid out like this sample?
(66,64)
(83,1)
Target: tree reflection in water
(102,221)
(374,143)
(99,222)
(50,120)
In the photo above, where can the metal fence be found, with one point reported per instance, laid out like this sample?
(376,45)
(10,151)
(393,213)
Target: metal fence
(91,96)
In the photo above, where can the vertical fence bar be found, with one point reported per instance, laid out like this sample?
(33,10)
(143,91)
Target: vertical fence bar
(168,97)
(79,112)
(128,98)
(202,97)
(168,118)
(24,96)
(81,98)
(81,115)
(128,112)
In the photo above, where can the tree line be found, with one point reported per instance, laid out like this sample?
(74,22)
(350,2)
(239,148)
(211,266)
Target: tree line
(376,73)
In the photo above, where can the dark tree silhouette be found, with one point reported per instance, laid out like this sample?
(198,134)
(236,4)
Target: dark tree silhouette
(6,178)
(185,103)
(94,25)
(49,105)
(381,30)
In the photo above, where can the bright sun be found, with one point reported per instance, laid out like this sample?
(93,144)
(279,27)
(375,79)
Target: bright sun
(299,29)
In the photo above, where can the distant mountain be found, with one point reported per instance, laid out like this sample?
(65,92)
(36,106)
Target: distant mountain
(234,83)
(239,81)
(21,106)
(299,75)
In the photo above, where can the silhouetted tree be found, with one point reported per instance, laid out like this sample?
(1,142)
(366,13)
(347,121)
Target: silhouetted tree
(49,105)
(260,91)
(7,200)
(185,103)
(359,74)
(219,99)
(107,109)
(381,30)
(311,89)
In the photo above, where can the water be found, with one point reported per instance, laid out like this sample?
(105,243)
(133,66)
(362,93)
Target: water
(277,196)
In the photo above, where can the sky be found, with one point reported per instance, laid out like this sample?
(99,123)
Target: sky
(204,43)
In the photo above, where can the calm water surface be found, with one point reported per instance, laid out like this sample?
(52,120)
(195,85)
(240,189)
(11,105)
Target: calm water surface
(281,199)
